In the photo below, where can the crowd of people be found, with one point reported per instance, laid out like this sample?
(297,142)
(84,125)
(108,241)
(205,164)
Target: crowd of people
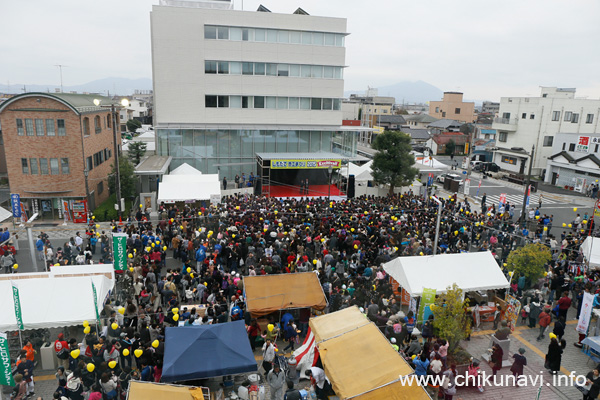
(214,246)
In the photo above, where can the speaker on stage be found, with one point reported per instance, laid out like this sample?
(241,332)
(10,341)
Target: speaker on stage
(351,186)
(258,187)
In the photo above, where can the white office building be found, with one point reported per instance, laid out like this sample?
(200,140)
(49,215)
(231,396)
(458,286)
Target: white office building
(574,162)
(526,121)
(229,84)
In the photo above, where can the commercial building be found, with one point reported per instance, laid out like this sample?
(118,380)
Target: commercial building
(452,106)
(58,146)
(229,84)
(524,122)
(575,161)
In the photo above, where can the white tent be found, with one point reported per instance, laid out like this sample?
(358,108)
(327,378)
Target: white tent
(590,249)
(420,159)
(470,271)
(185,169)
(52,302)
(188,187)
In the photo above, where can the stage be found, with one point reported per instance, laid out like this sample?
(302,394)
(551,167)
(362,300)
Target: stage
(294,191)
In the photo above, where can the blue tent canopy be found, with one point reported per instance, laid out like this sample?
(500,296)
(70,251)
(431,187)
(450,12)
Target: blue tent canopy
(206,351)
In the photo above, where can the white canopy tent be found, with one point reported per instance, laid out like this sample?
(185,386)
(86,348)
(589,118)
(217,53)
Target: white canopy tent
(185,169)
(420,159)
(470,271)
(44,301)
(188,187)
(590,249)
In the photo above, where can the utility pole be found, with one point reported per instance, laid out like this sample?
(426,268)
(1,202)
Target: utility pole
(116,150)
(437,226)
(527,182)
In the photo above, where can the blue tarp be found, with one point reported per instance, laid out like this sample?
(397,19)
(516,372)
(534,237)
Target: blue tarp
(205,351)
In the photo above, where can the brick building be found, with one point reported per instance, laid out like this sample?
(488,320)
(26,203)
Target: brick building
(51,141)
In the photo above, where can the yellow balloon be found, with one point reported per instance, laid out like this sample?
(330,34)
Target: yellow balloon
(125,352)
(421,253)
(176,317)
(155,343)
(112,364)
(114,326)
(455,232)
(141,206)
(570,226)
(130,269)
(188,269)
(275,212)
(130,255)
(537,217)
(158,242)
(172,220)
(86,330)
(121,310)
(57,265)
(351,229)
(355,247)
(93,217)
(270,327)
(545,228)
(175,310)
(233,236)
(510,273)
(97,226)
(153,245)
(165,248)
(86,323)
(138,353)
(584,221)
(91,367)
(192,276)
(148,249)
(181,227)
(199,212)
(75,353)
(575,209)
(15,266)
(315,262)
(564,225)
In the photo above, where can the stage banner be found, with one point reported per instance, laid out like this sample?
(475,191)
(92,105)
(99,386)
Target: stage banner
(120,251)
(306,164)
(586,313)
(427,298)
(6,379)
(17,305)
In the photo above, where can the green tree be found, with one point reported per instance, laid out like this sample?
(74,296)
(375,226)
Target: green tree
(127,177)
(450,147)
(392,164)
(451,322)
(360,114)
(133,125)
(136,151)
(529,260)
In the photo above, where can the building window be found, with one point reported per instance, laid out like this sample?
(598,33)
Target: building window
(596,149)
(89,163)
(44,166)
(563,146)
(210,32)
(223,101)
(555,115)
(50,127)
(24,166)
(248,68)
(457,111)
(54,166)
(506,116)
(86,126)
(210,101)
(571,146)
(259,102)
(502,136)
(223,32)
(443,114)
(589,119)
(524,116)
(568,115)
(509,160)
(575,118)
(532,116)
(97,125)
(64,166)
(20,130)
(273,36)
(100,187)
(315,103)
(548,141)
(60,123)
(29,127)
(210,67)
(108,120)
(39,127)
(223,67)
(33,164)
(437,109)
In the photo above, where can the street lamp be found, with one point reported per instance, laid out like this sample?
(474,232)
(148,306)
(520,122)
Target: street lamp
(86,173)
(330,170)
(124,103)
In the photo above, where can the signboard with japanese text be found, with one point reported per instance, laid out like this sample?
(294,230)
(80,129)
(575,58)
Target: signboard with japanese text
(586,313)
(15,203)
(583,144)
(120,251)
(427,298)
(305,164)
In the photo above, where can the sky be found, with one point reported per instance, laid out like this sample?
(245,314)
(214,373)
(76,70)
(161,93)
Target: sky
(485,49)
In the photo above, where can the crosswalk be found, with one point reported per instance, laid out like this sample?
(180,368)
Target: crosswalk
(515,199)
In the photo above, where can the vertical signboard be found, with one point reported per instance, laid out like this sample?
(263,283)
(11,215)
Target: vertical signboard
(15,203)
(120,251)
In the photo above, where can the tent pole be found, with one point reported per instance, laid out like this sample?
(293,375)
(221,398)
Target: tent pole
(20,339)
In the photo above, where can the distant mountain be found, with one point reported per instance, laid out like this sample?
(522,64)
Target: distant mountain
(408,92)
(120,86)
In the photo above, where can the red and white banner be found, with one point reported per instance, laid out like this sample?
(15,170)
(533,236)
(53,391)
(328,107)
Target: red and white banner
(586,313)
(306,355)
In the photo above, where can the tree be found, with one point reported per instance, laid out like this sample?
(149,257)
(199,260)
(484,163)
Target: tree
(360,114)
(133,125)
(136,151)
(450,147)
(529,260)
(451,322)
(127,177)
(392,164)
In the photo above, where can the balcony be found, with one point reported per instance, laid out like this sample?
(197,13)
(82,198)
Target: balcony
(505,124)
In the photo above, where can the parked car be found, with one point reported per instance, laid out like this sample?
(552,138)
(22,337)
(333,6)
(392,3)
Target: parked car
(442,177)
(475,163)
(487,167)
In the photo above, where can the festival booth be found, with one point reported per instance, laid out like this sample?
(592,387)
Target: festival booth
(160,391)
(359,361)
(66,271)
(269,293)
(206,351)
(42,300)
(189,188)
(590,249)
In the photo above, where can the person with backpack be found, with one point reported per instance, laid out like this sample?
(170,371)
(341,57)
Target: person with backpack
(61,347)
(108,383)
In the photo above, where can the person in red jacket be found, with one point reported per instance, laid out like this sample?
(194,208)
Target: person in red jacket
(563,305)
(544,320)
(63,356)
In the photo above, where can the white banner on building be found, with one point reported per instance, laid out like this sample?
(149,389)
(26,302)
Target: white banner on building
(586,313)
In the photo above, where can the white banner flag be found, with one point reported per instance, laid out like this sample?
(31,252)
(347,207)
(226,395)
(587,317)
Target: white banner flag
(586,313)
